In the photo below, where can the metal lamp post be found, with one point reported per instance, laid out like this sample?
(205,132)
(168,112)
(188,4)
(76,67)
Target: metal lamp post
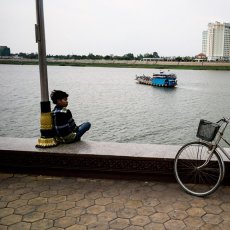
(46,139)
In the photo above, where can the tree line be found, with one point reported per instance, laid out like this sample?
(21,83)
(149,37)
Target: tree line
(91,56)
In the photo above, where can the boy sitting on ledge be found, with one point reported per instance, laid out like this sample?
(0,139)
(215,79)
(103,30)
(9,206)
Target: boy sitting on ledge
(66,131)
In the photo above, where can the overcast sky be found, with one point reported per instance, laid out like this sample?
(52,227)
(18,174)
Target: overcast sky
(169,27)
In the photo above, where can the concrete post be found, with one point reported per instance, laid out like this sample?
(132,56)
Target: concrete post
(46,139)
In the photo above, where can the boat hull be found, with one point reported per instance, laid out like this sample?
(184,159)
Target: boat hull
(160,82)
(164,82)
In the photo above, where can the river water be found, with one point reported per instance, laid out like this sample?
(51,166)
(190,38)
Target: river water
(119,109)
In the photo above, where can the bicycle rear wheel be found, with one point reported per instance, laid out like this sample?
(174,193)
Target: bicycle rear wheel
(194,180)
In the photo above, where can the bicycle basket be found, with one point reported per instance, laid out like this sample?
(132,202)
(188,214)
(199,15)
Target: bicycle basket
(207,130)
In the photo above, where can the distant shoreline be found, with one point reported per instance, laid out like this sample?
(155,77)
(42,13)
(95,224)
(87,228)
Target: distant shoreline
(125,64)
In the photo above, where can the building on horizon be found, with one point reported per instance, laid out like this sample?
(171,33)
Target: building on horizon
(216,42)
(4,51)
(201,57)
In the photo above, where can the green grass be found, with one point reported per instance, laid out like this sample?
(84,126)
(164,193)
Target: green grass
(118,65)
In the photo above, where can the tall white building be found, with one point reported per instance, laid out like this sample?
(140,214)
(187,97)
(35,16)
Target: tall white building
(216,41)
(204,42)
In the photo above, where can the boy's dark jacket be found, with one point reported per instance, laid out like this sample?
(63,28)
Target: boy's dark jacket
(64,125)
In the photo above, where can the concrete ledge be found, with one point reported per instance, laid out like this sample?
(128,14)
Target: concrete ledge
(89,158)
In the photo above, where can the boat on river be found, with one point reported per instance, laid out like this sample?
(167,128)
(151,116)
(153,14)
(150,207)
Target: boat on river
(162,79)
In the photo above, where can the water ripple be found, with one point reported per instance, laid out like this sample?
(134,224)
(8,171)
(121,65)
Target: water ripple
(119,109)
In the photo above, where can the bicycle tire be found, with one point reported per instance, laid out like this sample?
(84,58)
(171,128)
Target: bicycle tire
(198,182)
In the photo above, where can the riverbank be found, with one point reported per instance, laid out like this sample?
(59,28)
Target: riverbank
(125,64)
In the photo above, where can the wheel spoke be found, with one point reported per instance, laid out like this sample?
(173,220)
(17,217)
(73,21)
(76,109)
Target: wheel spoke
(194,174)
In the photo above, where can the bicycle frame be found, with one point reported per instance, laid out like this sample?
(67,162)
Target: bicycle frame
(215,146)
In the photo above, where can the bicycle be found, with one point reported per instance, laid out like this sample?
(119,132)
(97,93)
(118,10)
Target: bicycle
(198,166)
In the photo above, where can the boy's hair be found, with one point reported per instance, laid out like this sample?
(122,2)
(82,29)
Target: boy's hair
(57,94)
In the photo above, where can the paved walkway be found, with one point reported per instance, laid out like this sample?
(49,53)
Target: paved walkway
(55,203)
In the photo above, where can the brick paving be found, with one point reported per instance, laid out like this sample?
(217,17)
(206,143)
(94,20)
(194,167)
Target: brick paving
(55,203)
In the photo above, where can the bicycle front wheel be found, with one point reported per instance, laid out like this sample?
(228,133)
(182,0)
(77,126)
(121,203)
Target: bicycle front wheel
(194,173)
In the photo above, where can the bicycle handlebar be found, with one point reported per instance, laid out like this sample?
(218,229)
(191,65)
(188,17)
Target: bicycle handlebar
(222,120)
(226,120)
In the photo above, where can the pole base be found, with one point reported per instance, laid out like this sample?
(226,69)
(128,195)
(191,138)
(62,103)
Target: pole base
(46,143)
